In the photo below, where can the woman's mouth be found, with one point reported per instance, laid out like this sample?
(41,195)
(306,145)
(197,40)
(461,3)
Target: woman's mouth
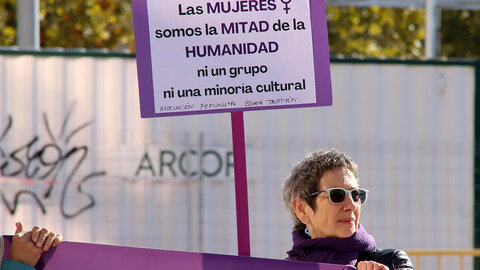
(347,220)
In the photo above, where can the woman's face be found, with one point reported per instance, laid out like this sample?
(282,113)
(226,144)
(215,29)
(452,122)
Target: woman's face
(334,220)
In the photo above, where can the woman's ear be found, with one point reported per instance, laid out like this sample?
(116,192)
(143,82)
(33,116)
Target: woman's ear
(302,210)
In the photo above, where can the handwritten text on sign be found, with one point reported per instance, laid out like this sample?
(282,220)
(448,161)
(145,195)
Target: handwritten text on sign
(231,55)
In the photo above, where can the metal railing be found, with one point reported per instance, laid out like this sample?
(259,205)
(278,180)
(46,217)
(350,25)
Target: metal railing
(461,253)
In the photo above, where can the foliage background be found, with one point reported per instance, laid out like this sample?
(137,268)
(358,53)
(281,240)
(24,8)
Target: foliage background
(353,31)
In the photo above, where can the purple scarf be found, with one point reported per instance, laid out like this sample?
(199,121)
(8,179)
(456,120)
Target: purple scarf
(330,250)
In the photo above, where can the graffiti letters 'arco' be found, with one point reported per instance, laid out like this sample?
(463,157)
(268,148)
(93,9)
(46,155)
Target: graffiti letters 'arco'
(46,162)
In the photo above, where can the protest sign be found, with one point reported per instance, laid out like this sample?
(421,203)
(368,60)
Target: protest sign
(197,57)
(73,256)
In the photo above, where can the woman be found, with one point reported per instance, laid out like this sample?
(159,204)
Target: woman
(323,197)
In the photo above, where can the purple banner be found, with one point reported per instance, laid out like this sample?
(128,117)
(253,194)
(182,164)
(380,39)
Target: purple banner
(80,256)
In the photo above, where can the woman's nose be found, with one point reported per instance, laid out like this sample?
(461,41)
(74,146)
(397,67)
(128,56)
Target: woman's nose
(349,204)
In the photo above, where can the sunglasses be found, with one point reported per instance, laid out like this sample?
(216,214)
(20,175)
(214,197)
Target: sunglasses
(338,195)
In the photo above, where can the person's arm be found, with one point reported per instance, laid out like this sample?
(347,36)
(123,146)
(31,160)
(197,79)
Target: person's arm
(392,258)
(14,265)
(402,261)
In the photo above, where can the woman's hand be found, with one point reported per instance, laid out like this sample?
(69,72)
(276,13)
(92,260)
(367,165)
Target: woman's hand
(23,249)
(28,246)
(45,239)
(371,265)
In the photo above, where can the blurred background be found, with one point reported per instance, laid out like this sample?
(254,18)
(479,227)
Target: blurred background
(75,155)
(368,28)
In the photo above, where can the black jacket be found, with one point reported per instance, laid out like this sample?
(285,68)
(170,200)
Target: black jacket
(393,258)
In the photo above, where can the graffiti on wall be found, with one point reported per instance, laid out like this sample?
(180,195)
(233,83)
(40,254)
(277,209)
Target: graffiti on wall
(51,159)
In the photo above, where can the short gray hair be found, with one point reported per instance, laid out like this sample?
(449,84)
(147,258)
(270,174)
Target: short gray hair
(306,175)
